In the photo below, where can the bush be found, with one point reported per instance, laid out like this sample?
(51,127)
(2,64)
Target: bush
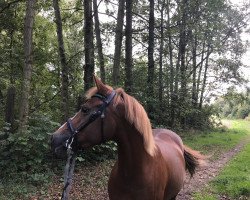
(243,112)
(27,152)
(101,152)
(201,118)
(248,117)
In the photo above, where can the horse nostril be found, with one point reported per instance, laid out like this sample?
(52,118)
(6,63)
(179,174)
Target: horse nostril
(58,139)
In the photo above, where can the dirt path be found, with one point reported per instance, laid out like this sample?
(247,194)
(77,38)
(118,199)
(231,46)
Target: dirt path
(208,172)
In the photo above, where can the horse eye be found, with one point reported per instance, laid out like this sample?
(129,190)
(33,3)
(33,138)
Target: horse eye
(85,110)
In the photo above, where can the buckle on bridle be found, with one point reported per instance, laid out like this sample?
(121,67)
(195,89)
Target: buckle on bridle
(69,142)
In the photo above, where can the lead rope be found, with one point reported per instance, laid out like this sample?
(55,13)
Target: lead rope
(68,173)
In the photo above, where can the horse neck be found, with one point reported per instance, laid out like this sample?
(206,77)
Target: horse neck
(132,156)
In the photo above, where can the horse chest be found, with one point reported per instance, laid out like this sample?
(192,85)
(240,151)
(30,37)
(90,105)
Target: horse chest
(133,192)
(135,189)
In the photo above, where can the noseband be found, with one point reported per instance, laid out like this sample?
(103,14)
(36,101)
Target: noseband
(94,115)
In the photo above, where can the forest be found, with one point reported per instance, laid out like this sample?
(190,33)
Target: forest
(172,55)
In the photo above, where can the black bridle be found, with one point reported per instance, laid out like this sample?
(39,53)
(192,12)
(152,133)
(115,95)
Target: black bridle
(93,116)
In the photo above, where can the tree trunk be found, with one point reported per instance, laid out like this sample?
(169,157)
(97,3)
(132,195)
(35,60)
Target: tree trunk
(12,71)
(182,53)
(63,60)
(1,97)
(173,94)
(11,91)
(194,32)
(160,92)
(204,78)
(182,50)
(99,41)
(128,47)
(200,69)
(28,60)
(10,105)
(150,82)
(89,45)
(118,43)
(194,47)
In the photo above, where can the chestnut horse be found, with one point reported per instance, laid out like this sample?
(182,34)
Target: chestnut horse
(151,162)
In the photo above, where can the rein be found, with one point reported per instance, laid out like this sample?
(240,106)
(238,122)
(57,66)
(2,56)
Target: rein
(68,173)
(71,151)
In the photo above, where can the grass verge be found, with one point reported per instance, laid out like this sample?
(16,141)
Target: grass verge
(220,140)
(233,182)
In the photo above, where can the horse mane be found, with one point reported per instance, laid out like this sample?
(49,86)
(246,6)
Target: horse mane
(135,114)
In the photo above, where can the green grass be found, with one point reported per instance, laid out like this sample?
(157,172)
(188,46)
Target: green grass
(234,179)
(216,142)
(204,196)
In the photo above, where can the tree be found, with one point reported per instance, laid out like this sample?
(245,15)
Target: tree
(118,43)
(172,96)
(89,45)
(99,41)
(182,49)
(160,92)
(11,92)
(63,60)
(150,81)
(10,105)
(28,61)
(128,47)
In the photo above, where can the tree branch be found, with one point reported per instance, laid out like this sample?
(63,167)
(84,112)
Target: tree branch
(10,4)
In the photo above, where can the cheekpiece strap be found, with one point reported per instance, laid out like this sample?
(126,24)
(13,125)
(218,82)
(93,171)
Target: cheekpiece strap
(70,126)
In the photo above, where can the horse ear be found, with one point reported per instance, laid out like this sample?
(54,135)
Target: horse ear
(101,87)
(99,84)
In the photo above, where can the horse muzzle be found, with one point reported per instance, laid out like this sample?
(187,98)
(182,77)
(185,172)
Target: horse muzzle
(58,144)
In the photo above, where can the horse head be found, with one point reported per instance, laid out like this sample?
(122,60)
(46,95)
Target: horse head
(93,124)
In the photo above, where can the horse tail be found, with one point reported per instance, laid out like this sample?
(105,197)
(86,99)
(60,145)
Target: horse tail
(193,159)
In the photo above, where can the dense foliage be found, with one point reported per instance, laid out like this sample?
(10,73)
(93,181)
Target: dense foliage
(196,47)
(234,105)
